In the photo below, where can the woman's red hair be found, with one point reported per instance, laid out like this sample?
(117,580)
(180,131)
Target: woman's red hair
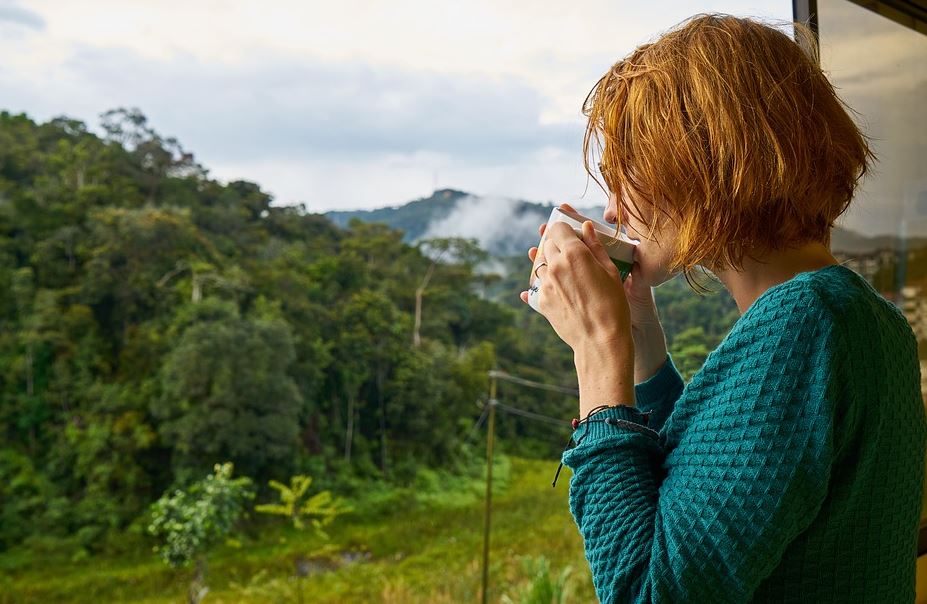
(730,129)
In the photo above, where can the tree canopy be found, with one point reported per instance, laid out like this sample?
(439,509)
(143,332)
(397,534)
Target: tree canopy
(156,322)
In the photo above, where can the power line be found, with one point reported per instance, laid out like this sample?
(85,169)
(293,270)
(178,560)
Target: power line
(517,380)
(535,416)
(477,424)
(491,407)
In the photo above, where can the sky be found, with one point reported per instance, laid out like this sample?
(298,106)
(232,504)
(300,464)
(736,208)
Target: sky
(349,104)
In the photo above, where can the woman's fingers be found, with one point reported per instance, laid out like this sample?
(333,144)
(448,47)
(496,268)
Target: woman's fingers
(562,205)
(551,249)
(597,249)
(533,252)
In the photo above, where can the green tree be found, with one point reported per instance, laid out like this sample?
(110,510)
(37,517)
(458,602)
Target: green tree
(690,348)
(187,523)
(225,390)
(155,158)
(371,342)
(463,255)
(154,321)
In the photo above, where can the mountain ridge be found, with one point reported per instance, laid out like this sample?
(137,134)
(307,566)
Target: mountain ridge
(442,211)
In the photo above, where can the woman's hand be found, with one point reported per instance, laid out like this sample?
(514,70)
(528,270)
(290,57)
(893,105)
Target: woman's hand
(581,291)
(584,300)
(641,304)
(647,331)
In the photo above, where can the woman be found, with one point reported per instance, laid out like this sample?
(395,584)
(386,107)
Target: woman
(790,468)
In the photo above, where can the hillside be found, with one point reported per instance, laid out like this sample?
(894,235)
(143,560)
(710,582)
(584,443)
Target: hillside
(157,322)
(503,226)
(448,212)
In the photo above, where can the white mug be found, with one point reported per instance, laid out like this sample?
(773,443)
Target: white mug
(619,246)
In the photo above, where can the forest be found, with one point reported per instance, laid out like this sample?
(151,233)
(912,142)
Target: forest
(157,322)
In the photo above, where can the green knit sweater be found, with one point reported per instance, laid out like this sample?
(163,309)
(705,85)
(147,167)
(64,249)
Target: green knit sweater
(790,468)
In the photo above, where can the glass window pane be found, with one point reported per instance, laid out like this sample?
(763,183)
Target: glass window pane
(880,70)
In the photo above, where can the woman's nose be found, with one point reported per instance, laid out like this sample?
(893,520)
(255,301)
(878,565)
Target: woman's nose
(611,213)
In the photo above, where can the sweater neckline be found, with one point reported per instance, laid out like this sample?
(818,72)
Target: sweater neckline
(800,276)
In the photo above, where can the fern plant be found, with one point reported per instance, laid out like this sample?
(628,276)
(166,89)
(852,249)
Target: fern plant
(319,510)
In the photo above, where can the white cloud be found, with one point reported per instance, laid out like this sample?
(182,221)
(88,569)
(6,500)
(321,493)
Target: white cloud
(496,222)
(553,176)
(273,105)
(492,221)
(347,104)
(13,14)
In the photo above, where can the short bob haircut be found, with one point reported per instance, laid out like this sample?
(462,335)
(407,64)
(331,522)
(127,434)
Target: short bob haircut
(729,127)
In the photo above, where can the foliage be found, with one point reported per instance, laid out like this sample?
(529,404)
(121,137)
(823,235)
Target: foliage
(229,372)
(689,349)
(320,509)
(529,517)
(155,322)
(541,587)
(188,522)
(261,587)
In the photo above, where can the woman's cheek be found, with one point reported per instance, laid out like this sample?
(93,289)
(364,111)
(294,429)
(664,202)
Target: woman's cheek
(652,264)
(642,256)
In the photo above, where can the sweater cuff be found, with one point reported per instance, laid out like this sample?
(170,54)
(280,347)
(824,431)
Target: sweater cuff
(623,418)
(652,390)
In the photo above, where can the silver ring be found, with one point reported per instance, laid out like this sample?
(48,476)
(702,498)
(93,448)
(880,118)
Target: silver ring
(537,268)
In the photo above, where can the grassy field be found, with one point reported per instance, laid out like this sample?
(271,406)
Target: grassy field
(408,547)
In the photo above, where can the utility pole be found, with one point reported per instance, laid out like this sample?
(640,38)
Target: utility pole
(489,442)
(495,375)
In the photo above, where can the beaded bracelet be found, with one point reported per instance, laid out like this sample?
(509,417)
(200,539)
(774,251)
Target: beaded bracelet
(612,421)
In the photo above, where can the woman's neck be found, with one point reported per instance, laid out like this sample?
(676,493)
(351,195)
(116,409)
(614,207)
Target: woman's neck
(756,277)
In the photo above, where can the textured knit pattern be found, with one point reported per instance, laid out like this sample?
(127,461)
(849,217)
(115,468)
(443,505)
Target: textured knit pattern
(789,469)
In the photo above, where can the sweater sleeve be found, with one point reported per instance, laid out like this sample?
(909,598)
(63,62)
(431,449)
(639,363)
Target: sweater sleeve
(658,393)
(709,520)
